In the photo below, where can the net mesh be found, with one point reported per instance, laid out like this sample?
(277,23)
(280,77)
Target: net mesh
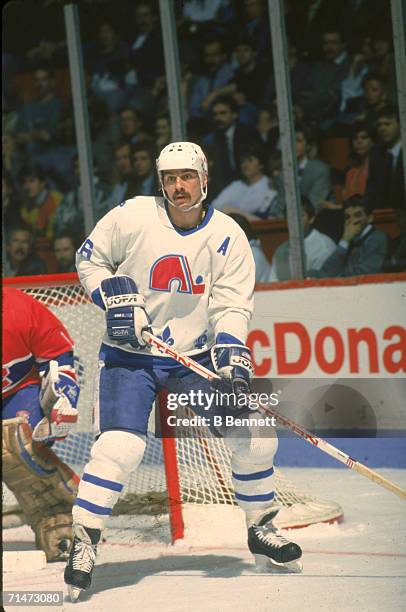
(203,462)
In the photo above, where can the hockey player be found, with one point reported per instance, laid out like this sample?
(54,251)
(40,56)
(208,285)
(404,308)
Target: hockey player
(40,394)
(183,269)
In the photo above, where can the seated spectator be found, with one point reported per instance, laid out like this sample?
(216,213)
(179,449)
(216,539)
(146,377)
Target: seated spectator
(65,252)
(218,73)
(40,204)
(147,56)
(38,120)
(143,156)
(317,247)
(268,128)
(361,145)
(314,175)
(163,131)
(20,259)
(385,185)
(298,72)
(58,161)
(252,195)
(226,141)
(262,265)
(362,247)
(131,127)
(249,78)
(374,98)
(255,25)
(10,202)
(107,61)
(124,182)
(321,98)
(69,216)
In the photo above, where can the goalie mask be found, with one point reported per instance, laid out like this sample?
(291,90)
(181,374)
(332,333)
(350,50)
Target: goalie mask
(183,156)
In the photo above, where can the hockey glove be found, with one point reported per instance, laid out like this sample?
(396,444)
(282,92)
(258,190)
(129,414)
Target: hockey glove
(126,317)
(233,363)
(58,398)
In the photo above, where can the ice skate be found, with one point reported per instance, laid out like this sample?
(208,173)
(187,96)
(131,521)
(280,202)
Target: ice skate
(78,572)
(272,551)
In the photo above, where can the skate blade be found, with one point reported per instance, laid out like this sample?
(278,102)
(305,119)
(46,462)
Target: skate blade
(266,565)
(74,592)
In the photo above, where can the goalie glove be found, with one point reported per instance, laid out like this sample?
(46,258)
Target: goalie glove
(58,398)
(233,363)
(126,317)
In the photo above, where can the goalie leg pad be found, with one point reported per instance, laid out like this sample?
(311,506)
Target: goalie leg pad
(113,457)
(42,484)
(53,535)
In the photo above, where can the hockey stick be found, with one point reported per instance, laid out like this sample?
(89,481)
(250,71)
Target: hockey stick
(300,431)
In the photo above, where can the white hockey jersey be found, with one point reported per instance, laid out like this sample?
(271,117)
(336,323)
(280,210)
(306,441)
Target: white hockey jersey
(196,283)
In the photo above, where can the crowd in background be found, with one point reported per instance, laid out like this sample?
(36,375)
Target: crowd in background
(348,142)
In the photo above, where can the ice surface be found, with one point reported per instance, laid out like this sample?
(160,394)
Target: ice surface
(359,565)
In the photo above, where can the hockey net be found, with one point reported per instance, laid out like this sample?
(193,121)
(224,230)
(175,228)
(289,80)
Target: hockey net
(173,472)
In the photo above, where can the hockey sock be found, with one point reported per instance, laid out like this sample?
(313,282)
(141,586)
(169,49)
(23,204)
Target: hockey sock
(113,457)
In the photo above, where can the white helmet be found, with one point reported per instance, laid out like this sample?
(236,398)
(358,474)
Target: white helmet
(183,155)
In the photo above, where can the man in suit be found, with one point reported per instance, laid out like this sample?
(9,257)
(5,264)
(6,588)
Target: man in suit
(314,175)
(228,139)
(362,247)
(386,183)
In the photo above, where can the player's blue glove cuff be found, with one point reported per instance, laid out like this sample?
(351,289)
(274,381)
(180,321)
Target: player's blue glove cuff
(126,317)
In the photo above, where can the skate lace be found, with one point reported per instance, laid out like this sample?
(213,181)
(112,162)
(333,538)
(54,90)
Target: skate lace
(83,557)
(271,536)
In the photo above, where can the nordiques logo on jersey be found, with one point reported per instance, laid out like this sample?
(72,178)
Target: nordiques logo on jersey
(170,269)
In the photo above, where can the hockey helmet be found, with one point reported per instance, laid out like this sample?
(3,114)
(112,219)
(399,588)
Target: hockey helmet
(183,155)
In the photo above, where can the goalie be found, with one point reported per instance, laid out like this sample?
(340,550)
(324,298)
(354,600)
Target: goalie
(40,394)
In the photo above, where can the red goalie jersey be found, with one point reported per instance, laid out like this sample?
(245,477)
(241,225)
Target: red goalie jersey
(32,336)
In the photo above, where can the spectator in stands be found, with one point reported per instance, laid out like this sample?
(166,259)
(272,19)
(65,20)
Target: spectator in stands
(385,186)
(58,161)
(317,247)
(69,216)
(38,120)
(218,73)
(249,78)
(65,252)
(268,128)
(299,74)
(361,145)
(226,143)
(10,202)
(262,265)
(147,55)
(21,260)
(321,99)
(131,127)
(163,131)
(362,247)
(125,184)
(314,175)
(11,157)
(255,25)
(143,156)
(107,61)
(375,97)
(40,204)
(253,195)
